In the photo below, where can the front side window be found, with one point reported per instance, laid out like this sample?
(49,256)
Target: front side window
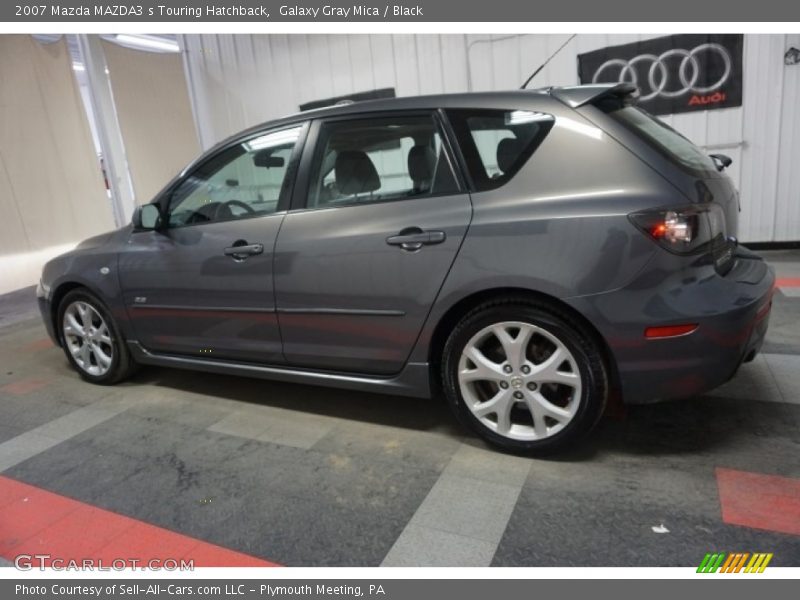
(244,180)
(496,143)
(379,159)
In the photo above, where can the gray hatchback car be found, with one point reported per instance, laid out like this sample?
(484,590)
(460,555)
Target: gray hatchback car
(527,254)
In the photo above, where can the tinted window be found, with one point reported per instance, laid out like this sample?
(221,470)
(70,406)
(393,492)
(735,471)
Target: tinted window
(666,140)
(371,160)
(496,143)
(244,180)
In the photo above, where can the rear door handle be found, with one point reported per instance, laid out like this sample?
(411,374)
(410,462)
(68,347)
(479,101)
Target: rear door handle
(415,238)
(242,251)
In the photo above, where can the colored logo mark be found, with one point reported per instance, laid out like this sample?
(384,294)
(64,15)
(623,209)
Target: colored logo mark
(734,562)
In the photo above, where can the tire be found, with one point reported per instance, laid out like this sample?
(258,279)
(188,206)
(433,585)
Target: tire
(537,383)
(108,357)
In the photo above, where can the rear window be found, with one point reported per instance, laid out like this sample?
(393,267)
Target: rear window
(666,141)
(497,143)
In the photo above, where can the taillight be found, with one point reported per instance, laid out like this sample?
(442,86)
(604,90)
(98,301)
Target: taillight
(684,230)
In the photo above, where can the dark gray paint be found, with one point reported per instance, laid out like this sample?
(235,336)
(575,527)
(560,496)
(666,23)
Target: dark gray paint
(348,310)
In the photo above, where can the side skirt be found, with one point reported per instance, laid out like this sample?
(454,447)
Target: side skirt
(413,380)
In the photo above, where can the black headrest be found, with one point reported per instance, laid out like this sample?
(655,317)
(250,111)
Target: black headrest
(420,165)
(508,151)
(355,173)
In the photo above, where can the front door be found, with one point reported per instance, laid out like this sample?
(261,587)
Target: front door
(359,264)
(202,284)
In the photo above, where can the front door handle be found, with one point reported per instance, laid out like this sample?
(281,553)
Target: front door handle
(241,250)
(414,238)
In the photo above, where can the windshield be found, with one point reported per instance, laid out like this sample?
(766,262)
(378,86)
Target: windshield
(666,140)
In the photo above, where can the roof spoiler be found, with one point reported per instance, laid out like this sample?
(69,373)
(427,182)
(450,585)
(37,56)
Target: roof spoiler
(576,96)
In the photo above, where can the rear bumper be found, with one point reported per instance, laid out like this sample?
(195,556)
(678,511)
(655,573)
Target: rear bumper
(731,313)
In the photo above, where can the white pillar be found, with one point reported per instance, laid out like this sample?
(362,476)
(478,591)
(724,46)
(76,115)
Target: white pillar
(123,200)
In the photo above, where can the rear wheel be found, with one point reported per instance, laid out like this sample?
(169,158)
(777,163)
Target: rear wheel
(91,339)
(524,376)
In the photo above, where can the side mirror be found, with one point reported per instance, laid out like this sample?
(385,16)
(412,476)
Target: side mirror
(721,161)
(147,217)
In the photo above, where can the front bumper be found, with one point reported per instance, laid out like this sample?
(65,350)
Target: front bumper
(46,310)
(731,313)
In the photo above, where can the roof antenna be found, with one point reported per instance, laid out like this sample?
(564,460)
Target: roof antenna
(544,64)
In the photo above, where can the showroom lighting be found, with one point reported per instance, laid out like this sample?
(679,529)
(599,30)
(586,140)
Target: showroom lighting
(144,41)
(519,117)
(272,140)
(581,128)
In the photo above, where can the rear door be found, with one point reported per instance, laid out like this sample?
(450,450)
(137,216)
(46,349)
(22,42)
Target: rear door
(373,232)
(202,285)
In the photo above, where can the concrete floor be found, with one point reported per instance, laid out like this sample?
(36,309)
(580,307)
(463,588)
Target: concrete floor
(299,475)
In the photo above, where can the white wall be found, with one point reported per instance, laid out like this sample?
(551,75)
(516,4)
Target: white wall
(51,189)
(240,80)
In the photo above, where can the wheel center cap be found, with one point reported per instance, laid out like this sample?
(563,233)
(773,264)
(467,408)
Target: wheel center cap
(516,382)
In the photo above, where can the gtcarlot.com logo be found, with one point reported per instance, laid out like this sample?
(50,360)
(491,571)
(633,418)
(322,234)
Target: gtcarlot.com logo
(28,562)
(734,562)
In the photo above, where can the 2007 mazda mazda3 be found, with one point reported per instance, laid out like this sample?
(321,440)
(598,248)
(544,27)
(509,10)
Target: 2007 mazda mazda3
(527,254)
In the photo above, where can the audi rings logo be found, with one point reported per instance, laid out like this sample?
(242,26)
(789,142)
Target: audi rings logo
(675,73)
(658,80)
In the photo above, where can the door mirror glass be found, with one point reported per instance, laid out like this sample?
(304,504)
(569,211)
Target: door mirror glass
(148,217)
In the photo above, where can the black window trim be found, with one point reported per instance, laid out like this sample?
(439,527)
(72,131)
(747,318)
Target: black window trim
(299,201)
(287,187)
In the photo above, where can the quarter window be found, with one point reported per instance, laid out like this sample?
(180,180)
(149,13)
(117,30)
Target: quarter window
(373,160)
(242,181)
(497,143)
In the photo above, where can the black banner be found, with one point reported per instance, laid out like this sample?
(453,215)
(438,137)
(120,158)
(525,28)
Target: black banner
(676,73)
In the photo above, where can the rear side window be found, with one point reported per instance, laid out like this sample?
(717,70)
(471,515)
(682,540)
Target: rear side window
(497,143)
(378,160)
(668,142)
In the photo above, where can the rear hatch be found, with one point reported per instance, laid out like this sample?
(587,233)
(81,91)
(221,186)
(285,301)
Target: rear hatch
(699,177)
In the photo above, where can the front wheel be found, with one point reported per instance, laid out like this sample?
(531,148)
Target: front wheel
(523,376)
(91,339)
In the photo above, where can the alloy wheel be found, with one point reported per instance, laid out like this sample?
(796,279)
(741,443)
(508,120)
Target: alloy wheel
(519,380)
(88,338)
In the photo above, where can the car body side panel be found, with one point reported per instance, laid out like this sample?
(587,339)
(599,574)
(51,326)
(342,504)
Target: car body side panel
(349,301)
(86,266)
(185,296)
(560,227)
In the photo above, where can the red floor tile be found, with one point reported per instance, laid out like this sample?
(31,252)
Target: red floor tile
(71,538)
(759,501)
(28,515)
(36,346)
(35,521)
(787,282)
(24,386)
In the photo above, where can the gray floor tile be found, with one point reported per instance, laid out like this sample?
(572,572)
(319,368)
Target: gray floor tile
(422,547)
(791,292)
(242,424)
(468,507)
(23,447)
(754,381)
(785,369)
(489,465)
